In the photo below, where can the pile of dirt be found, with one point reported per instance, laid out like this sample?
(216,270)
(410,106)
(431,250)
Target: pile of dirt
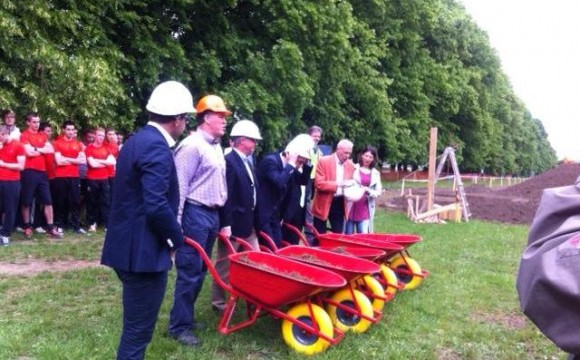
(514,204)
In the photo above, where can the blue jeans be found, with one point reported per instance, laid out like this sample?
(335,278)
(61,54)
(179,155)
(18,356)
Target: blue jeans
(201,225)
(361,227)
(142,297)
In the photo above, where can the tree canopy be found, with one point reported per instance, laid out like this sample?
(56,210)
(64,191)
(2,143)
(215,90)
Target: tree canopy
(374,71)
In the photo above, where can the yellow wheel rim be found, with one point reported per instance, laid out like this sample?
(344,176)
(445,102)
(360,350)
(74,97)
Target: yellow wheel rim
(408,272)
(391,280)
(350,320)
(375,290)
(303,341)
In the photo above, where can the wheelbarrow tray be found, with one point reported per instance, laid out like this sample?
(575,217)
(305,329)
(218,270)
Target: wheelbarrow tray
(333,239)
(274,280)
(405,240)
(359,252)
(347,266)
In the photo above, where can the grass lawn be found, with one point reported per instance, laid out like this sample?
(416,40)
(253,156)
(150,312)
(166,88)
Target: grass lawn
(466,309)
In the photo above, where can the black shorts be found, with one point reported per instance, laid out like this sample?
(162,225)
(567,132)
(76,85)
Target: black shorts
(34,184)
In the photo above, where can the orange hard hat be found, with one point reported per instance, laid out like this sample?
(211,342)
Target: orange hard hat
(212,103)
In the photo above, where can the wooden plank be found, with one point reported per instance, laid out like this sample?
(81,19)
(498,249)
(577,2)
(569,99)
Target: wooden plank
(436,211)
(432,160)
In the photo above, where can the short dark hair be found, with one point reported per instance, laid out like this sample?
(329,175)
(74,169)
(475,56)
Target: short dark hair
(163,119)
(43,125)
(373,151)
(7,112)
(67,123)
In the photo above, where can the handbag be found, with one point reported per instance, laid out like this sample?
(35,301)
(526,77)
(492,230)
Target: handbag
(548,280)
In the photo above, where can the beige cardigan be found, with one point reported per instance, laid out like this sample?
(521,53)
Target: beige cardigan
(375,190)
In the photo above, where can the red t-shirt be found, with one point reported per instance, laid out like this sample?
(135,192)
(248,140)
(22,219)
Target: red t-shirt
(114,149)
(100,153)
(70,149)
(50,165)
(9,154)
(37,140)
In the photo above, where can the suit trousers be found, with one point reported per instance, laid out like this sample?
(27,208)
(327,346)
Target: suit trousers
(142,297)
(335,217)
(200,224)
(222,265)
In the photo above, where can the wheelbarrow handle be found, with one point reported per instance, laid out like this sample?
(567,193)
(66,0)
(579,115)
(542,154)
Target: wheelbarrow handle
(295,230)
(243,243)
(209,263)
(268,240)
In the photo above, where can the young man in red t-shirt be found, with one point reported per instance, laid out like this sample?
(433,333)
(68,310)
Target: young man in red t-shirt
(34,179)
(12,161)
(68,155)
(112,142)
(98,190)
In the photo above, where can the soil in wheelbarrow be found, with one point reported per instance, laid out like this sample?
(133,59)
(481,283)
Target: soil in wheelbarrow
(292,274)
(515,204)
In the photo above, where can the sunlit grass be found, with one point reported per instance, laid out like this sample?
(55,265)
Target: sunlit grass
(466,309)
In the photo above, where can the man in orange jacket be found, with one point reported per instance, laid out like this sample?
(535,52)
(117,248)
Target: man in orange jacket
(333,174)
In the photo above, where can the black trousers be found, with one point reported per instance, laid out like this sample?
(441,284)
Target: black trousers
(335,217)
(9,194)
(99,201)
(67,201)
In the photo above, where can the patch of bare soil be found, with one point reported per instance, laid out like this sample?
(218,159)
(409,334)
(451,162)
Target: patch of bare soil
(515,204)
(507,321)
(32,267)
(448,354)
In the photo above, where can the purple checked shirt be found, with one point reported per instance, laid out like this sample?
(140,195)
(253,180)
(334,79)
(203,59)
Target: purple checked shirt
(201,171)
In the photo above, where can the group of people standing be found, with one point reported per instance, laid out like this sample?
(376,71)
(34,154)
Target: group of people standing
(191,189)
(55,175)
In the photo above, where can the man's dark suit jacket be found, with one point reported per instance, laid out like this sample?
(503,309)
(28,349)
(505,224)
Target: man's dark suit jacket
(238,211)
(273,177)
(144,207)
(290,206)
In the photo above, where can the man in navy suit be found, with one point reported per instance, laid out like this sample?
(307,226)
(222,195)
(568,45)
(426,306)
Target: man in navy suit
(274,174)
(237,216)
(143,229)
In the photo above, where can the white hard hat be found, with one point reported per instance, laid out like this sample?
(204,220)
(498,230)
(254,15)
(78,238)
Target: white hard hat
(302,145)
(170,98)
(246,128)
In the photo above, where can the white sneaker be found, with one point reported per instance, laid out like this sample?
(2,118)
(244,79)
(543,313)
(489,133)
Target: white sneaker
(93,228)
(40,230)
(5,240)
(19,229)
(60,230)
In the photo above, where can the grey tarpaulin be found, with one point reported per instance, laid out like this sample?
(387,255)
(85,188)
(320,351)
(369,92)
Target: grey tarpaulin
(548,281)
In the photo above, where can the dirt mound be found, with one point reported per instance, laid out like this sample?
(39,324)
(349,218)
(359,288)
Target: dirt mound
(514,204)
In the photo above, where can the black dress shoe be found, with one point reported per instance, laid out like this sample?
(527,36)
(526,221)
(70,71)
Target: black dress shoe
(187,338)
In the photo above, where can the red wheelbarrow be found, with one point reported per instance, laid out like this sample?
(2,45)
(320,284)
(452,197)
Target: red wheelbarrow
(407,269)
(348,308)
(387,278)
(268,283)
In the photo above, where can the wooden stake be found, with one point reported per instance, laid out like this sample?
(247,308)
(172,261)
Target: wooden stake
(432,159)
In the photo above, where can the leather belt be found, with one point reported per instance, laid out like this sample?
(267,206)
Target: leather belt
(203,206)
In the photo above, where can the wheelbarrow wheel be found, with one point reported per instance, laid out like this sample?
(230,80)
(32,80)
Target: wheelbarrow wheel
(390,279)
(374,291)
(408,272)
(303,341)
(345,320)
